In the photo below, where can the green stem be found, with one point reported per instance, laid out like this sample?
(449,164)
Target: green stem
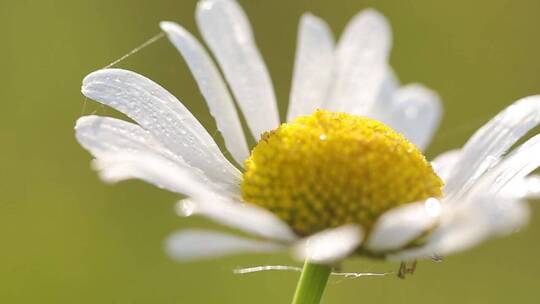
(312,282)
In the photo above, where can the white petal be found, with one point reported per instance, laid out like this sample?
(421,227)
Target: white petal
(467,225)
(212,87)
(386,94)
(159,112)
(399,226)
(487,218)
(330,245)
(485,147)
(528,187)
(514,167)
(227,31)
(189,245)
(152,168)
(312,67)
(106,136)
(360,63)
(246,217)
(415,112)
(382,109)
(445,162)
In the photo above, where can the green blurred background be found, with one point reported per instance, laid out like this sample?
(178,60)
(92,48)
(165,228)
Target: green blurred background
(65,237)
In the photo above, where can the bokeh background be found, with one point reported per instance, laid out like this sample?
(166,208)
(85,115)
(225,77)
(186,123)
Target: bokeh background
(65,237)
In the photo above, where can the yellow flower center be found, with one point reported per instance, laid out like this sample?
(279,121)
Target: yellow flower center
(329,169)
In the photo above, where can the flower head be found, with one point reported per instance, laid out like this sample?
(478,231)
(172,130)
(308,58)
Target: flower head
(330,169)
(345,174)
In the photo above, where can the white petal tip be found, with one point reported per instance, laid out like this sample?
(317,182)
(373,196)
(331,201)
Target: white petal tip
(189,245)
(329,246)
(106,74)
(373,13)
(309,17)
(374,18)
(205,4)
(169,26)
(84,121)
(93,80)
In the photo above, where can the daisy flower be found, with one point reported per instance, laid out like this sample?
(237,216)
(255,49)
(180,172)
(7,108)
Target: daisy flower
(344,175)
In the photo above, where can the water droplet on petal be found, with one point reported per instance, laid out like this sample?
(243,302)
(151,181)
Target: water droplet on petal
(185,208)
(433,207)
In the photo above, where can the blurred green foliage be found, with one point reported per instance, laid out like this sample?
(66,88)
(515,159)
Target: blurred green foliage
(65,237)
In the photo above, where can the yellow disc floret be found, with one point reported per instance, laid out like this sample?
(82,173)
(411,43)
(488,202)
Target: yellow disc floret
(329,169)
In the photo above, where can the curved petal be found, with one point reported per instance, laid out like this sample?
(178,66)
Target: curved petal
(465,226)
(312,67)
(246,217)
(488,218)
(160,113)
(106,136)
(484,148)
(189,245)
(212,87)
(415,112)
(514,167)
(227,31)
(329,246)
(152,168)
(445,162)
(100,134)
(399,226)
(528,188)
(360,63)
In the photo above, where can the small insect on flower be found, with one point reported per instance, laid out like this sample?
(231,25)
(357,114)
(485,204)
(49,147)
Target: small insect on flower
(344,175)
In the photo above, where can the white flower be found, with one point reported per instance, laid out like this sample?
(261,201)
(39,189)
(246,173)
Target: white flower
(485,185)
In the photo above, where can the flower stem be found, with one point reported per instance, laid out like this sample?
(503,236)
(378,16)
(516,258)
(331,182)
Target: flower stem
(312,282)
